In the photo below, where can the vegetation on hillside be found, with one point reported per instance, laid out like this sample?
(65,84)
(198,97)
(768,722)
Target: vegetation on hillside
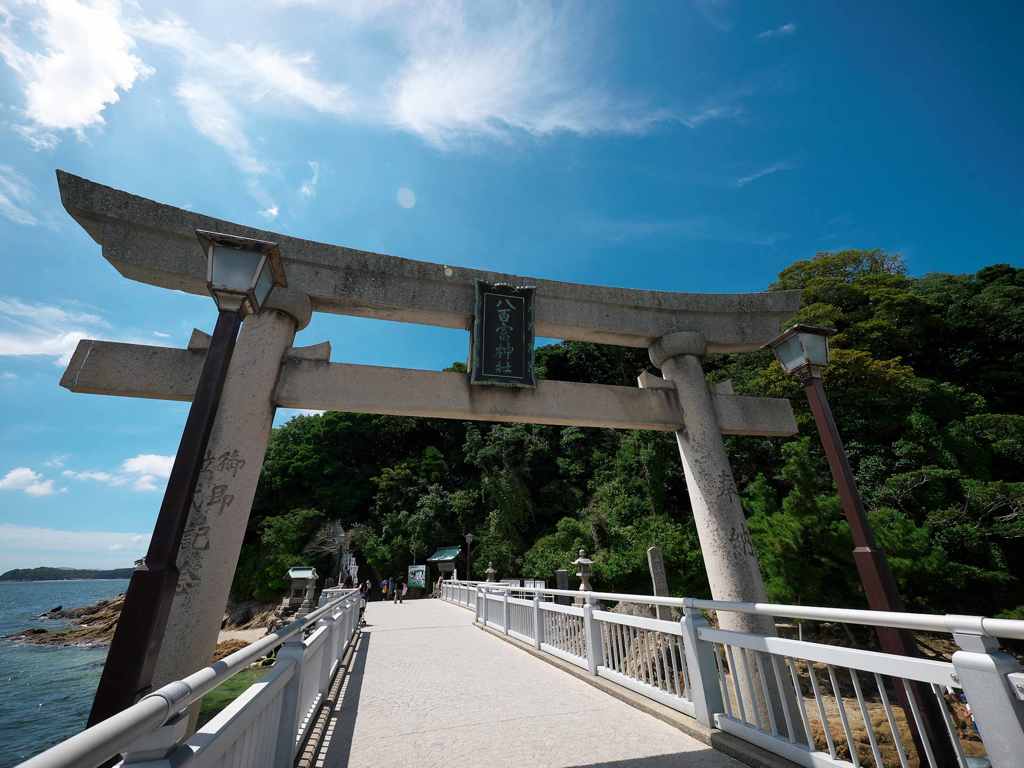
(926,384)
(45,573)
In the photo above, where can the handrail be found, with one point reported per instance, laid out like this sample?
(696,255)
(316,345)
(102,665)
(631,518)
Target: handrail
(113,735)
(922,622)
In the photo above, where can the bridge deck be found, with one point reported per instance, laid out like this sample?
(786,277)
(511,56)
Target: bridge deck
(428,689)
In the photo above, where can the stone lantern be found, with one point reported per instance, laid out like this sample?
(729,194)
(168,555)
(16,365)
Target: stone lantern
(491,573)
(585,569)
(303,590)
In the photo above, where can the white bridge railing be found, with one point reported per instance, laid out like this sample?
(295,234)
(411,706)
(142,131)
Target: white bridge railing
(818,705)
(263,728)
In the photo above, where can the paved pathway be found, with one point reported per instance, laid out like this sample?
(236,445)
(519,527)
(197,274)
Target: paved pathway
(430,690)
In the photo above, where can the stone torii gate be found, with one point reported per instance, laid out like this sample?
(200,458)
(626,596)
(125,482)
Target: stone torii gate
(156,244)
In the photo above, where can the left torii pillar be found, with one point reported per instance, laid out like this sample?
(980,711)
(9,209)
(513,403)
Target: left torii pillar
(227,484)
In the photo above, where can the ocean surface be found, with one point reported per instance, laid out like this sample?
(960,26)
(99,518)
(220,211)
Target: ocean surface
(45,691)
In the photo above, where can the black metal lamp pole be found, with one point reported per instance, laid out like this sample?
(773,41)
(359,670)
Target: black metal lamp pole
(241,273)
(469,550)
(803,351)
(128,672)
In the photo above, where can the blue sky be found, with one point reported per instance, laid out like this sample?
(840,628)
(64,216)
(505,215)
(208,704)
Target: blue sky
(694,146)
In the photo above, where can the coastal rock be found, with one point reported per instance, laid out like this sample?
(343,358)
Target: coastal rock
(94,624)
(90,625)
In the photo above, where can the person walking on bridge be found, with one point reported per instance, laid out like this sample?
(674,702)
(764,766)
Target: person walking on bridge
(400,590)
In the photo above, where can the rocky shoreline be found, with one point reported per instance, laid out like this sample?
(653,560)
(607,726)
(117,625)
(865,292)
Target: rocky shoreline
(90,625)
(93,625)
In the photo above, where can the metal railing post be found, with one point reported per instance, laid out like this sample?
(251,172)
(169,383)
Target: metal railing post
(330,651)
(594,651)
(504,613)
(701,671)
(538,622)
(482,601)
(292,652)
(998,712)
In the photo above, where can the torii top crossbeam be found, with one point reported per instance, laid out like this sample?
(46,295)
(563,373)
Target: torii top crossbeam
(156,244)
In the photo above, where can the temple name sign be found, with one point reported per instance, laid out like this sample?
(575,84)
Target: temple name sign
(502,345)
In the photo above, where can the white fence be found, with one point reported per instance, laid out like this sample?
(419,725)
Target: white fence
(818,705)
(263,728)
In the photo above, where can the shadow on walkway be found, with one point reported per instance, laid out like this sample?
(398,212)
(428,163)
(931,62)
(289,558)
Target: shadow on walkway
(693,759)
(342,723)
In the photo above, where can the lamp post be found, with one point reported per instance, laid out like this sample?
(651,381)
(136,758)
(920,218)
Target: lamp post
(240,275)
(803,352)
(469,561)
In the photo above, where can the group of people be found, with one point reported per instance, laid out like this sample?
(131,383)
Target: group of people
(396,589)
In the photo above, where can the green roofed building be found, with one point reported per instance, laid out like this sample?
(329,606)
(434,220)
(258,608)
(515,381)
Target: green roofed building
(444,559)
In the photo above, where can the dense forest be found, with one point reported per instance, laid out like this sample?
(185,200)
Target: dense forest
(926,382)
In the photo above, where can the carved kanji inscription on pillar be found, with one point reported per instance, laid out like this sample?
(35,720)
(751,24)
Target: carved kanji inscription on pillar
(211,498)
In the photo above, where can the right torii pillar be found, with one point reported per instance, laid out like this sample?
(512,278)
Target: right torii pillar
(728,551)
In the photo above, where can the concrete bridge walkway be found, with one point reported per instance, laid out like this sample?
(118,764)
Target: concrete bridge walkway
(427,689)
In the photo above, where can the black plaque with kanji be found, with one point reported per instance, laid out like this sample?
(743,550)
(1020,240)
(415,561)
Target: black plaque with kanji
(503,336)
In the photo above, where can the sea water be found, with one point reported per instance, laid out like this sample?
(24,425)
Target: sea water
(45,691)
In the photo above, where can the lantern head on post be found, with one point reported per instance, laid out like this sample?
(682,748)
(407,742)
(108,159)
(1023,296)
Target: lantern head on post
(802,350)
(240,271)
(584,564)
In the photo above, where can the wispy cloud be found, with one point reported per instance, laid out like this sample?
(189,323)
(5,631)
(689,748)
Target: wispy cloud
(779,167)
(698,228)
(27,480)
(217,119)
(716,13)
(308,188)
(489,70)
(785,30)
(32,329)
(15,196)
(67,84)
(224,81)
(712,112)
(143,472)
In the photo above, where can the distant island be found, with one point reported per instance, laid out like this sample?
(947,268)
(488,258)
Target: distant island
(63,574)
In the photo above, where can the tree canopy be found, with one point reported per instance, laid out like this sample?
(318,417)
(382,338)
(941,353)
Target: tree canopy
(926,384)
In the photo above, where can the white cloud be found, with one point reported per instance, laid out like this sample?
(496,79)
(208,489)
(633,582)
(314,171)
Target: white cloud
(142,473)
(270,213)
(149,464)
(15,195)
(161,335)
(27,480)
(784,31)
(406,197)
(85,61)
(44,330)
(308,188)
(23,546)
(768,171)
